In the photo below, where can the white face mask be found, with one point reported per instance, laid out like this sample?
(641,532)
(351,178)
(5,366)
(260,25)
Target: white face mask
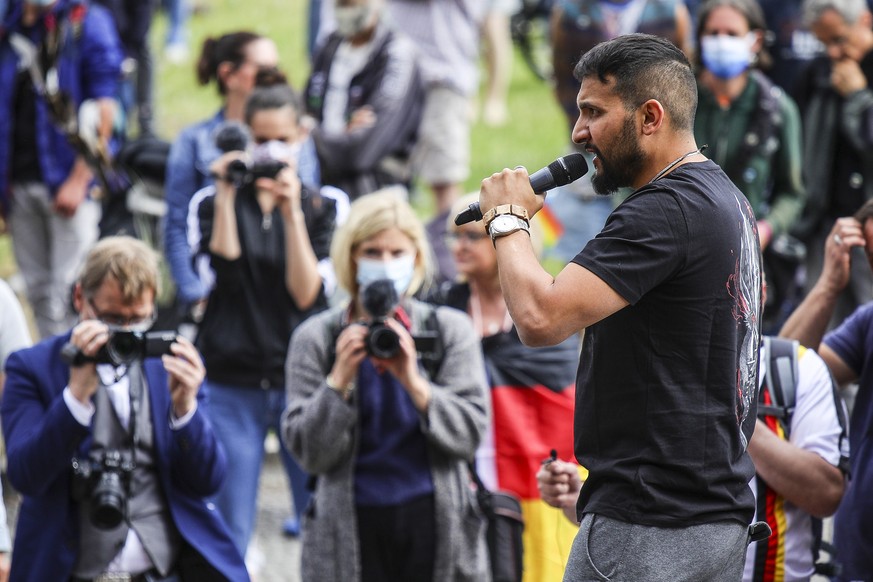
(352,20)
(400,271)
(727,56)
(41,3)
(277,150)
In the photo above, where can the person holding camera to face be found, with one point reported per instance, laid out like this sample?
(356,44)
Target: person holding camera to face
(387,403)
(109,442)
(266,239)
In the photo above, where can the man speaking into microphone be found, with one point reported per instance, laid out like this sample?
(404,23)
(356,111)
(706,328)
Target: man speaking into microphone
(669,297)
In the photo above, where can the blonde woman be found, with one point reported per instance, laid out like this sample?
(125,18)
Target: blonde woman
(388,433)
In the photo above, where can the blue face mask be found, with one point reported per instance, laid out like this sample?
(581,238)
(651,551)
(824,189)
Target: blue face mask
(727,56)
(400,271)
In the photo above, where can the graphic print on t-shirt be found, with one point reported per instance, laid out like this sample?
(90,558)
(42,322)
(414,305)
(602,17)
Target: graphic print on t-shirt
(744,285)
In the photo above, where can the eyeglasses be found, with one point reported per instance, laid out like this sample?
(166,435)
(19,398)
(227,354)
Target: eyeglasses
(131,323)
(469,236)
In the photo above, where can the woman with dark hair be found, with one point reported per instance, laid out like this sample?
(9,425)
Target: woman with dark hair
(232,61)
(265,236)
(751,126)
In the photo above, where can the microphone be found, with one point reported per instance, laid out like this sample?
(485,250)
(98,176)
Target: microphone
(559,173)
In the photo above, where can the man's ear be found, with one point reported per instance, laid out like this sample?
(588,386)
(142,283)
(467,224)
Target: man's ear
(652,116)
(78,298)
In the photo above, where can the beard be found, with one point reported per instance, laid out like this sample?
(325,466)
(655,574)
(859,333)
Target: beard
(621,167)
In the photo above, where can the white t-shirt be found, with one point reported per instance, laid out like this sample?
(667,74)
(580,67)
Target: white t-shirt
(815,427)
(14,333)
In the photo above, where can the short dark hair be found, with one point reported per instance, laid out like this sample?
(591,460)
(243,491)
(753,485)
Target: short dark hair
(645,67)
(864,213)
(275,96)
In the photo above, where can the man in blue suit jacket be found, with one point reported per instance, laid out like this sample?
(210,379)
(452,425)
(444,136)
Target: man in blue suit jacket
(48,410)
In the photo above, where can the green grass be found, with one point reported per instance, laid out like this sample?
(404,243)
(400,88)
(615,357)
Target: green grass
(535,135)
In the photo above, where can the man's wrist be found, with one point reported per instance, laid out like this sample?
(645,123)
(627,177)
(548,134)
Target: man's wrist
(513,209)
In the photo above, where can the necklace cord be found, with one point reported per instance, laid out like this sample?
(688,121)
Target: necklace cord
(677,161)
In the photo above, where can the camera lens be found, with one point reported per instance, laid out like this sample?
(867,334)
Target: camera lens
(107,501)
(124,347)
(382,341)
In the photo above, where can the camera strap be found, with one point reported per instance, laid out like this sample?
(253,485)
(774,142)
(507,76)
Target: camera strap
(135,386)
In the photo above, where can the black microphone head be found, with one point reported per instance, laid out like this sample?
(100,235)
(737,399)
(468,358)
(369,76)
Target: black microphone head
(232,136)
(568,168)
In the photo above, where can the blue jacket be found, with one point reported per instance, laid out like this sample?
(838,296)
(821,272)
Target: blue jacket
(42,437)
(188,172)
(89,67)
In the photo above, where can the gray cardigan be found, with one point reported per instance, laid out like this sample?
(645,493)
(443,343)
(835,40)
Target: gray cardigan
(320,429)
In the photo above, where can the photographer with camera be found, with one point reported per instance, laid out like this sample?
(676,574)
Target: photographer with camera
(110,446)
(266,238)
(387,402)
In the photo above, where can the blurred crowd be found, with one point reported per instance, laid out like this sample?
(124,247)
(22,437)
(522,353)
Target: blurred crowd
(310,299)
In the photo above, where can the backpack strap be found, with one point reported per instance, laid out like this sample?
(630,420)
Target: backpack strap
(780,380)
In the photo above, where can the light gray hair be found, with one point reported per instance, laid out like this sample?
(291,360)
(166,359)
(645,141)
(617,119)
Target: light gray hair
(849,10)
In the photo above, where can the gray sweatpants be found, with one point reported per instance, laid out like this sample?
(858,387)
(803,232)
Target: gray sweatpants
(49,250)
(606,549)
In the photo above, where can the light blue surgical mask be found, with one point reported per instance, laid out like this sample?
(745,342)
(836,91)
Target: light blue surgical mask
(41,3)
(727,56)
(400,271)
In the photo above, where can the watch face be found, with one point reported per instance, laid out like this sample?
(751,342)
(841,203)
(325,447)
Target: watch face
(504,223)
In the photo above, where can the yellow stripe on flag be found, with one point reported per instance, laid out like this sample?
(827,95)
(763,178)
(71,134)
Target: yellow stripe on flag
(548,536)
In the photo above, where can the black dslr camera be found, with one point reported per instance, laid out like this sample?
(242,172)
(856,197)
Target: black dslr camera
(242,173)
(380,298)
(233,136)
(104,479)
(123,347)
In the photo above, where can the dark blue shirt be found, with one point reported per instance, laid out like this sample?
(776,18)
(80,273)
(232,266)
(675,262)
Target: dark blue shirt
(853,524)
(392,465)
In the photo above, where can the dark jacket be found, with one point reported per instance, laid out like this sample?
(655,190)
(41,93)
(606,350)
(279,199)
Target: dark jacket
(89,67)
(250,313)
(366,159)
(832,122)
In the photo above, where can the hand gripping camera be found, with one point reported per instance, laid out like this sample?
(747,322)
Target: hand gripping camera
(379,299)
(265,160)
(123,347)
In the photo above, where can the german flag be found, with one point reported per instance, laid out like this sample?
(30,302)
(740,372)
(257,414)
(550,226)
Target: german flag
(532,394)
(770,553)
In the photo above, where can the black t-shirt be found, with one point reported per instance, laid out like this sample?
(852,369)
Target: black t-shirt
(666,387)
(24,164)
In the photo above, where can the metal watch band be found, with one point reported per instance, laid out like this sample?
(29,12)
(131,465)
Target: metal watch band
(519,224)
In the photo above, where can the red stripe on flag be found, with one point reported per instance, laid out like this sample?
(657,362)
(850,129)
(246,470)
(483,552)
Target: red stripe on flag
(528,423)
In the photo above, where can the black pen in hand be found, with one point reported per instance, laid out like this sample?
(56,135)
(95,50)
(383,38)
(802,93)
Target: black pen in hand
(553,456)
